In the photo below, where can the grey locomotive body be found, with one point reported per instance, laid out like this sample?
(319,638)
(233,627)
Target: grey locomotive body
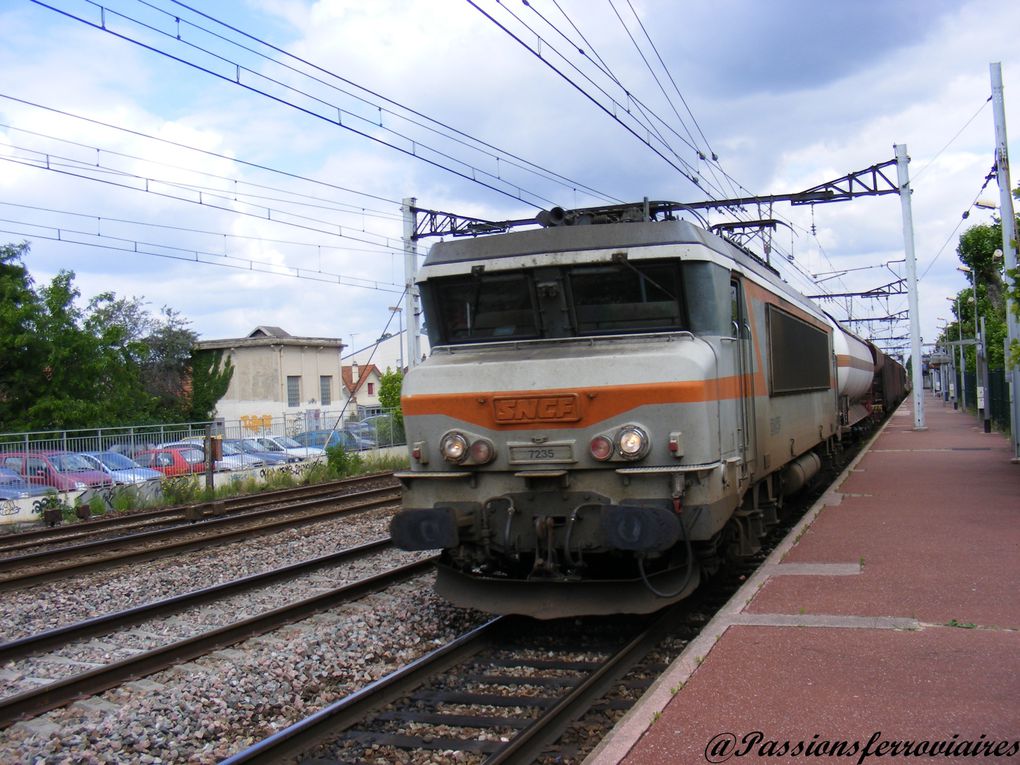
(610,410)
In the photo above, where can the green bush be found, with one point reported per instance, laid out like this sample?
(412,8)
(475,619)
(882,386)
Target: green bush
(180,489)
(343,463)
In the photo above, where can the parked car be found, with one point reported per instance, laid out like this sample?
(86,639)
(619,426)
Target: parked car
(289,445)
(252,447)
(121,469)
(64,471)
(363,431)
(13,486)
(324,439)
(232,459)
(386,430)
(173,461)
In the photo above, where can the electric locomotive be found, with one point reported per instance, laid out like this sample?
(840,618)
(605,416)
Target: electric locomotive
(613,406)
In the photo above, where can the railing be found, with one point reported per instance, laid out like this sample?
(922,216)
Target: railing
(374,431)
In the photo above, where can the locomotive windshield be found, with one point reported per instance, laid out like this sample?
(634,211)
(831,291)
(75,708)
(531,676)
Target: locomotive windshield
(487,306)
(557,301)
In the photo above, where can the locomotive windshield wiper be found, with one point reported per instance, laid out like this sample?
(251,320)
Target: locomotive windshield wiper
(621,257)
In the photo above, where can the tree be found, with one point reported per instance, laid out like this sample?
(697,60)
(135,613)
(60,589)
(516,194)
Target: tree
(109,363)
(166,368)
(209,382)
(21,346)
(390,385)
(976,250)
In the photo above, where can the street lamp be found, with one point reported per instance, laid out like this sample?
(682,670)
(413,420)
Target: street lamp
(980,357)
(963,366)
(948,386)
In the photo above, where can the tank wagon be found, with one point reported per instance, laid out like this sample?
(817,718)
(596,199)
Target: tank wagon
(613,407)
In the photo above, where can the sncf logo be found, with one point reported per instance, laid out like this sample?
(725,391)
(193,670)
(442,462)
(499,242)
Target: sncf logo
(563,408)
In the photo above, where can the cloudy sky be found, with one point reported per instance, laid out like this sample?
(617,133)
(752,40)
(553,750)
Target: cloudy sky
(243,161)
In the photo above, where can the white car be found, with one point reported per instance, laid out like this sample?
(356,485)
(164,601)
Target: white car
(288,445)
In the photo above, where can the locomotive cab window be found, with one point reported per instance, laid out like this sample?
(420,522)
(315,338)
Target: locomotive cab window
(626,297)
(487,307)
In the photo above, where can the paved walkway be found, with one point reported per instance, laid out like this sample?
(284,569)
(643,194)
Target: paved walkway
(892,615)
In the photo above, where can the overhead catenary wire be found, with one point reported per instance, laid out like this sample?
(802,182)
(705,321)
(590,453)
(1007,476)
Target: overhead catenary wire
(305,200)
(67,236)
(370,127)
(205,152)
(100,219)
(683,167)
(44,162)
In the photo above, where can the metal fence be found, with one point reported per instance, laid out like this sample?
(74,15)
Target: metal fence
(372,429)
(996,397)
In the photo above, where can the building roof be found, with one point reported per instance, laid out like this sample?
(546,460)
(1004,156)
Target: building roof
(364,372)
(265,336)
(265,331)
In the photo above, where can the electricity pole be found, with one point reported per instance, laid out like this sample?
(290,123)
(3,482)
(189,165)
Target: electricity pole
(411,305)
(1008,249)
(917,380)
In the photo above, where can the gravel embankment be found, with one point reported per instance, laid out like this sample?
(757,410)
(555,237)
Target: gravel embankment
(205,710)
(43,607)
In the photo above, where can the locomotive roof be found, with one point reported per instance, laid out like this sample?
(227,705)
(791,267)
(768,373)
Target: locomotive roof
(601,236)
(573,238)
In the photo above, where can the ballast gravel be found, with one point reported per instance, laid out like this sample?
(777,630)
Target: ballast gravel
(203,711)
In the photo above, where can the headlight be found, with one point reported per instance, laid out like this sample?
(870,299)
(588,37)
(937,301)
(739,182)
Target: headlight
(454,447)
(80,485)
(632,443)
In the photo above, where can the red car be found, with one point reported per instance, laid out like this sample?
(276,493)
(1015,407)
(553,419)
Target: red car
(64,471)
(171,461)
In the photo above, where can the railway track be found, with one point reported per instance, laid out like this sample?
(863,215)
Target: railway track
(503,693)
(179,515)
(514,690)
(48,565)
(550,705)
(64,690)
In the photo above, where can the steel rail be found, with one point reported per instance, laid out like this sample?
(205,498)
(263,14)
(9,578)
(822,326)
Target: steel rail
(61,571)
(299,737)
(535,735)
(16,649)
(187,512)
(61,553)
(62,692)
(528,745)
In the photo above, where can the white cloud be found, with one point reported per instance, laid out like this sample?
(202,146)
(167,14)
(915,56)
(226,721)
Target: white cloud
(790,95)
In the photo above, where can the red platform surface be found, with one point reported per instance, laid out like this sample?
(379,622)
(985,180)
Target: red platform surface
(893,618)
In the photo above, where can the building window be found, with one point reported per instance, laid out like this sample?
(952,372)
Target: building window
(371,389)
(293,390)
(325,390)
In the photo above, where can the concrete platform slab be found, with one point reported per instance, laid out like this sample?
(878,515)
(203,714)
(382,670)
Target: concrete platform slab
(887,629)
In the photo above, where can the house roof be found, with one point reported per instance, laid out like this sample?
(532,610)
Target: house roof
(364,372)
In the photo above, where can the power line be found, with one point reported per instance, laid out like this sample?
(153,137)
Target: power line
(684,168)
(44,162)
(100,219)
(332,205)
(337,116)
(206,152)
(527,165)
(66,236)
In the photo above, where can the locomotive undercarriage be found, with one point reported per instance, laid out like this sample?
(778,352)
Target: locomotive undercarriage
(555,552)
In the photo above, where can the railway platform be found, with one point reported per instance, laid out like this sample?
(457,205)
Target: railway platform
(885,628)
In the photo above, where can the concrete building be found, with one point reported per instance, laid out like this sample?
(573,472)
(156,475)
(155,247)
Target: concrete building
(277,375)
